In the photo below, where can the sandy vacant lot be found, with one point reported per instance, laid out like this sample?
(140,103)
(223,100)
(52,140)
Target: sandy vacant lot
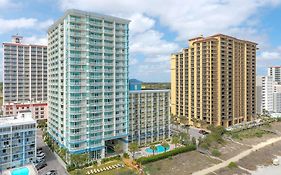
(182,164)
(261,157)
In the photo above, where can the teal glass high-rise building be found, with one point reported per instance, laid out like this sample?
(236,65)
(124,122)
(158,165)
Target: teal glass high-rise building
(88,82)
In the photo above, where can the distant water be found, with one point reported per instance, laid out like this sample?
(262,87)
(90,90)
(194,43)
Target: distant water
(269,170)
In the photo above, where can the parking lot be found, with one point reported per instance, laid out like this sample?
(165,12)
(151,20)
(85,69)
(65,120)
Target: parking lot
(52,162)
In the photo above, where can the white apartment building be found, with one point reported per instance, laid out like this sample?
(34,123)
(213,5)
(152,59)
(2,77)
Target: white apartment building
(275,72)
(264,94)
(88,82)
(277,98)
(149,116)
(17,140)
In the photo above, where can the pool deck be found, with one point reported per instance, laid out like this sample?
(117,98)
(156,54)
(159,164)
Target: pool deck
(31,168)
(144,153)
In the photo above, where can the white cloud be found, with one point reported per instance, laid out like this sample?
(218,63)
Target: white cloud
(151,43)
(8,25)
(270,55)
(140,23)
(42,40)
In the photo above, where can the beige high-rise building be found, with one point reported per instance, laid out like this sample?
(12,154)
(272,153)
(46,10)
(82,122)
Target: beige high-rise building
(213,81)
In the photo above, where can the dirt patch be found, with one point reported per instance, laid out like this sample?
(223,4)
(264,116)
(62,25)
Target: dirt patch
(263,156)
(182,164)
(231,171)
(231,149)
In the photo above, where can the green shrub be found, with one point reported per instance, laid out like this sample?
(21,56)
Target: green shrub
(145,160)
(126,155)
(232,165)
(111,158)
(216,153)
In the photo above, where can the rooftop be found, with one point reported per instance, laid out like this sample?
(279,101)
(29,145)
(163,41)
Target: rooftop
(24,117)
(150,91)
(84,13)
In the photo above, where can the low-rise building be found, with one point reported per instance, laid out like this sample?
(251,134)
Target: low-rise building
(17,140)
(149,116)
(39,110)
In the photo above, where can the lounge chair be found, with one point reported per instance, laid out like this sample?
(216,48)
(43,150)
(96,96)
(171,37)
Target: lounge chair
(110,167)
(122,165)
(104,169)
(95,171)
(92,172)
(98,170)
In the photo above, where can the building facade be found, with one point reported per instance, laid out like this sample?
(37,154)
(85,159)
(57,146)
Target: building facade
(39,110)
(25,72)
(213,81)
(17,140)
(88,82)
(266,93)
(149,116)
(275,72)
(277,98)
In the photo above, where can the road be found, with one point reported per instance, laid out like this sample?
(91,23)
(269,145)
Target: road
(237,157)
(52,162)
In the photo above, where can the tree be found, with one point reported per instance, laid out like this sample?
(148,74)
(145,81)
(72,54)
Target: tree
(184,138)
(165,145)
(153,147)
(79,159)
(175,140)
(133,147)
(118,148)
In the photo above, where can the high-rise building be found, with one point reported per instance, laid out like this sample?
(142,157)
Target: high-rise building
(149,116)
(275,72)
(213,81)
(25,76)
(25,72)
(17,140)
(265,94)
(277,98)
(88,82)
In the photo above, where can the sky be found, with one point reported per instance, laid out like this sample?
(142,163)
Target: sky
(158,27)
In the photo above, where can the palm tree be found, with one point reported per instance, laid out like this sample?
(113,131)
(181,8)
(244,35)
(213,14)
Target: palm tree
(153,147)
(165,145)
(175,140)
(133,147)
(118,148)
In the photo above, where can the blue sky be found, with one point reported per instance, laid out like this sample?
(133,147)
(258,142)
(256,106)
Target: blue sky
(159,27)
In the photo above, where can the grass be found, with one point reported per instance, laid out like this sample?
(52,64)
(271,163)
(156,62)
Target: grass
(117,171)
(249,133)
(216,153)
(232,165)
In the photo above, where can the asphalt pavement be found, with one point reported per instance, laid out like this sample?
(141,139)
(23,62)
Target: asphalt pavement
(51,160)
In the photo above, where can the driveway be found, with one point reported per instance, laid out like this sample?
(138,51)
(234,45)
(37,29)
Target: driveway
(52,162)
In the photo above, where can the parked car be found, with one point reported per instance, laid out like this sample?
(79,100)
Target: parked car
(39,149)
(40,157)
(40,165)
(203,132)
(40,154)
(52,172)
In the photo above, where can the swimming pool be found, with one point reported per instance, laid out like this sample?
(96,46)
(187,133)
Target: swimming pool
(20,171)
(159,149)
